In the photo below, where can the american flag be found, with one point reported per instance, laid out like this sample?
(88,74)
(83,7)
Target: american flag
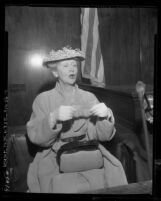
(92,67)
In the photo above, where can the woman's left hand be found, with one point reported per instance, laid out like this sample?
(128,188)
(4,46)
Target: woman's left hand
(101,110)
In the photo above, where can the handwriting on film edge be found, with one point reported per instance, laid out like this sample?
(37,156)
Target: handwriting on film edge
(6,186)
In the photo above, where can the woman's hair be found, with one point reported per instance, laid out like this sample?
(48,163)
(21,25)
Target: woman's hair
(53,65)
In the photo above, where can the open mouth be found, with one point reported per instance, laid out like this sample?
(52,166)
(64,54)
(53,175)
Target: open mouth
(72,76)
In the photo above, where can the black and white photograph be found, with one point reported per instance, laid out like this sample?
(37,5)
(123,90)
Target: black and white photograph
(79,99)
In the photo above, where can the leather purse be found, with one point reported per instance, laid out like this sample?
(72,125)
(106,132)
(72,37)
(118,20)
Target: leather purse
(79,156)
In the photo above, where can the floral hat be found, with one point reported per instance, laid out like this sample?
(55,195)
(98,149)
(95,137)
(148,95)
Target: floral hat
(64,54)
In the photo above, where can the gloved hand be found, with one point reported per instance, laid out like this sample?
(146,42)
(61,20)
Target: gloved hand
(63,113)
(101,110)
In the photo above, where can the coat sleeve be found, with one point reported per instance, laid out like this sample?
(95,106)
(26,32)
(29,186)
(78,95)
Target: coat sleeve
(102,128)
(38,129)
(105,130)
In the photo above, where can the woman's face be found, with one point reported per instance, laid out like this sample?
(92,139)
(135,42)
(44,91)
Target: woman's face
(67,71)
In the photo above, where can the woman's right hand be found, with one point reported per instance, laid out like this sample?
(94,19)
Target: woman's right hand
(63,113)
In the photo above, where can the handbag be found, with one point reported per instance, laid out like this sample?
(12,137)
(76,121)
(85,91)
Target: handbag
(79,156)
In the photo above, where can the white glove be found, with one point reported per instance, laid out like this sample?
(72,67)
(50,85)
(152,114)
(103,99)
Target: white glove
(101,110)
(63,113)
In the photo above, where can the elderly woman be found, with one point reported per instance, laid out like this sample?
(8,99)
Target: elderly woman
(65,115)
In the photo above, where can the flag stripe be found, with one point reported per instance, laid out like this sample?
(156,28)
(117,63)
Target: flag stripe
(82,13)
(100,74)
(85,27)
(98,56)
(95,41)
(89,45)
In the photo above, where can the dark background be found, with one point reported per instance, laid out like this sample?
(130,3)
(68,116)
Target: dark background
(128,38)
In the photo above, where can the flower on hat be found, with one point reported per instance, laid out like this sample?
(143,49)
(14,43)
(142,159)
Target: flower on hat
(65,53)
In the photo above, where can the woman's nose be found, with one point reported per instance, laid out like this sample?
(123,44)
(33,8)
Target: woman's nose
(72,69)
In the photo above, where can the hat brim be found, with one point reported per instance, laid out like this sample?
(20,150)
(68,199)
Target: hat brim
(46,63)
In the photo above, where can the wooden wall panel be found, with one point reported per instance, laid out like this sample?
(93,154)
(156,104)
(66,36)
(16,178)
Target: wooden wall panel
(127,42)
(35,30)
(148,29)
